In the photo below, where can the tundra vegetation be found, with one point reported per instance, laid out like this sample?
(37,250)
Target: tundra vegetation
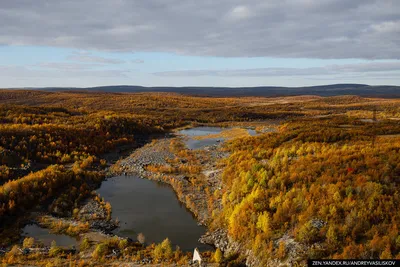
(333,190)
(325,184)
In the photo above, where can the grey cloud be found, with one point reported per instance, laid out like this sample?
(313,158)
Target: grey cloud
(372,67)
(232,28)
(57,72)
(66,66)
(84,57)
(138,61)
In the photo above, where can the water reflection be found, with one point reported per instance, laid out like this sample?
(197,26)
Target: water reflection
(44,236)
(151,208)
(203,131)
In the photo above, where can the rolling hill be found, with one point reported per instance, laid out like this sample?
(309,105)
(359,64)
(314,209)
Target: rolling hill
(322,90)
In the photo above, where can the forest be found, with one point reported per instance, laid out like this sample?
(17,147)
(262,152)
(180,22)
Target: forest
(329,187)
(324,185)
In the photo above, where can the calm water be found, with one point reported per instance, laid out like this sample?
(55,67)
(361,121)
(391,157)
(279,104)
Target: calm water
(252,132)
(197,144)
(151,208)
(44,236)
(201,131)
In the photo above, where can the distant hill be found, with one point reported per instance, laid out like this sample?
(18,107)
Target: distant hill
(322,90)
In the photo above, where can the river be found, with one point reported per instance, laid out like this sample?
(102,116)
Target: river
(151,208)
(148,207)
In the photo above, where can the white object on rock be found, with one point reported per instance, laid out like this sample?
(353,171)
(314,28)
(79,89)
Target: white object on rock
(196,256)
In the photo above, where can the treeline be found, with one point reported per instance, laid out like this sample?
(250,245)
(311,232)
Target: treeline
(331,190)
(167,110)
(62,137)
(171,110)
(103,253)
(39,186)
(56,188)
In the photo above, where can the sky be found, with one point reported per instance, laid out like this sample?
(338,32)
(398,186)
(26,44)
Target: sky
(84,43)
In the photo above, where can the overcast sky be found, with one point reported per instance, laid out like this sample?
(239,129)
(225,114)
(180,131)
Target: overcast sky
(198,42)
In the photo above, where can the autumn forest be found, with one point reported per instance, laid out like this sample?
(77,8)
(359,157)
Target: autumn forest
(324,183)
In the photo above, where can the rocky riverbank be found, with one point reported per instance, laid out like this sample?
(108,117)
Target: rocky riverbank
(160,153)
(155,153)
